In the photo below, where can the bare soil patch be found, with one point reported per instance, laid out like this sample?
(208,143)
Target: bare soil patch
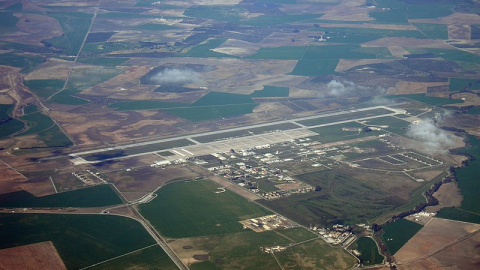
(33,28)
(397,51)
(459,31)
(455,18)
(147,179)
(41,256)
(407,42)
(448,195)
(237,47)
(355,10)
(404,87)
(346,64)
(442,243)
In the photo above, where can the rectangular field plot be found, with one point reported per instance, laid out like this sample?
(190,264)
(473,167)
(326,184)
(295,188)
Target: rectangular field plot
(81,240)
(197,208)
(344,117)
(314,255)
(149,258)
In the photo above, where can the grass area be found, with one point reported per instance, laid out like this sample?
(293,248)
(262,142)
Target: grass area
(5,111)
(44,88)
(280,53)
(95,196)
(192,208)
(239,251)
(432,30)
(344,117)
(397,233)
(214,105)
(474,110)
(315,255)
(298,234)
(460,84)
(211,112)
(342,200)
(205,50)
(271,91)
(435,101)
(75,27)
(26,62)
(458,214)
(102,61)
(455,55)
(99,37)
(395,125)
(369,251)
(10,127)
(81,240)
(8,21)
(309,67)
(149,258)
(342,132)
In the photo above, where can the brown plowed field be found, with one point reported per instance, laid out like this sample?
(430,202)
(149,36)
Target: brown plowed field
(442,243)
(40,256)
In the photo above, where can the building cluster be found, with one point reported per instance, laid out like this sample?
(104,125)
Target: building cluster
(273,249)
(88,177)
(337,235)
(267,223)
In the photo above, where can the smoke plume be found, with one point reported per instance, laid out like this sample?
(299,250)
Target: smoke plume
(434,140)
(176,76)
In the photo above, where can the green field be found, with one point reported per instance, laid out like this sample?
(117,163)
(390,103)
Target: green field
(397,233)
(26,62)
(149,258)
(315,67)
(298,234)
(204,50)
(435,101)
(342,132)
(44,88)
(75,27)
(432,30)
(458,214)
(369,251)
(342,199)
(81,240)
(395,125)
(95,196)
(315,255)
(271,91)
(460,84)
(239,250)
(188,209)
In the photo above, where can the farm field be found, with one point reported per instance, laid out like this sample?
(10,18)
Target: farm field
(81,240)
(101,195)
(369,251)
(208,212)
(399,232)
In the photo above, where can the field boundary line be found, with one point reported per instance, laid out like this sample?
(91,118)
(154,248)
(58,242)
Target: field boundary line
(111,259)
